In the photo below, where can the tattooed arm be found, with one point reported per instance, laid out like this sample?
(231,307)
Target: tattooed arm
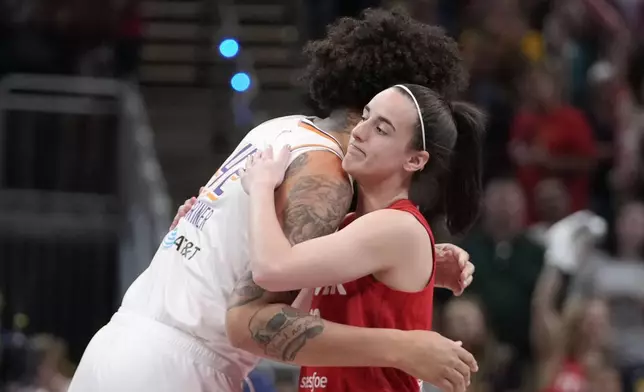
(264,324)
(311,202)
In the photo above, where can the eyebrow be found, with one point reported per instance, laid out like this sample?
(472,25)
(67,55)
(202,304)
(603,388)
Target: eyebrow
(383,119)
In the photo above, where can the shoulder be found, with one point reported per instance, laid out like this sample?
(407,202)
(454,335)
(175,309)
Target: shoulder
(317,171)
(390,226)
(314,197)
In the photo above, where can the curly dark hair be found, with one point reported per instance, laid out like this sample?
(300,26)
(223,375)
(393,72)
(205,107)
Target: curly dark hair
(361,57)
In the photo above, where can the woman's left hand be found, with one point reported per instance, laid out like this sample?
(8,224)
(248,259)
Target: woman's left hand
(454,270)
(264,169)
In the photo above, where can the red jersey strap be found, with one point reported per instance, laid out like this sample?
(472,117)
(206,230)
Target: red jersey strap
(407,206)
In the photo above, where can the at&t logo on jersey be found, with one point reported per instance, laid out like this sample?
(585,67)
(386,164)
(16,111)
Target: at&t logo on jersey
(169,239)
(181,244)
(314,382)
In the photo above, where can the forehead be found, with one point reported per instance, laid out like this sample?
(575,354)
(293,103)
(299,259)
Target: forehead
(396,106)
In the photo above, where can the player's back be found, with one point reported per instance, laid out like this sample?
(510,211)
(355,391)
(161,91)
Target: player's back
(198,263)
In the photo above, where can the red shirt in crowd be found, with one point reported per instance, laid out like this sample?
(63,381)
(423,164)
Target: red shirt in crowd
(563,132)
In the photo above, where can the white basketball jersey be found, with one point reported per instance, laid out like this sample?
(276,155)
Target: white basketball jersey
(197,265)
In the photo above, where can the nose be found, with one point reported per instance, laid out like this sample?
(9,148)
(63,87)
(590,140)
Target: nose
(359,132)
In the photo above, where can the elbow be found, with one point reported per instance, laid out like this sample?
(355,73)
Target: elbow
(270,277)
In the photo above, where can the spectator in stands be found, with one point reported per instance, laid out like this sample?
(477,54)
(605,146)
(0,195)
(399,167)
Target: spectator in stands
(49,357)
(44,366)
(619,281)
(568,346)
(606,101)
(574,347)
(629,171)
(508,263)
(552,203)
(551,139)
(464,320)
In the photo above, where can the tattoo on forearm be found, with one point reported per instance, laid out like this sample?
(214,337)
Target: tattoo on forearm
(285,333)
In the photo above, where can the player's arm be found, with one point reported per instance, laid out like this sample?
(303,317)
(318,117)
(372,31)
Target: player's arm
(371,244)
(311,202)
(263,323)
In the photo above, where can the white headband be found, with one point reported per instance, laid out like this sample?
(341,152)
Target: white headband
(420,114)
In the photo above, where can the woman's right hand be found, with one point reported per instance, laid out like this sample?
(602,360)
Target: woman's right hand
(183,209)
(442,362)
(264,169)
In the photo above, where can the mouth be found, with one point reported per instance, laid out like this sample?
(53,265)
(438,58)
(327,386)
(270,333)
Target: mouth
(351,145)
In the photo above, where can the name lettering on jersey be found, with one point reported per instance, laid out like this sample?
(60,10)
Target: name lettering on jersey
(314,382)
(331,290)
(228,171)
(199,214)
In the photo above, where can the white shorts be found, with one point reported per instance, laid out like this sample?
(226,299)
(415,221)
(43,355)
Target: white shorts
(136,354)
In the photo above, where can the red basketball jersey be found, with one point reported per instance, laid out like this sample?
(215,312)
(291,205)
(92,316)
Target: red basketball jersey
(366,302)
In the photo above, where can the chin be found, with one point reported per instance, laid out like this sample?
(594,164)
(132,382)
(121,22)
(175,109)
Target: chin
(348,165)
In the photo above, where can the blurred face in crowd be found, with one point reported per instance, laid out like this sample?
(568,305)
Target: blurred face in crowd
(552,200)
(573,13)
(630,229)
(464,321)
(540,89)
(605,379)
(504,207)
(595,323)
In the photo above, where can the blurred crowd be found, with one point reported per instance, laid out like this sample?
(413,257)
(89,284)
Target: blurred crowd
(557,303)
(35,364)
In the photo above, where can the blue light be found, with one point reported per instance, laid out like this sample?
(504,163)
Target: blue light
(240,81)
(229,48)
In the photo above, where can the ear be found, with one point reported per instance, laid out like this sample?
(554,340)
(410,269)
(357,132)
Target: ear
(416,161)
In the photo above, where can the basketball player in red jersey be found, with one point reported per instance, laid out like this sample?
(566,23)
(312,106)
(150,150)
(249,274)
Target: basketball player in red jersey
(383,256)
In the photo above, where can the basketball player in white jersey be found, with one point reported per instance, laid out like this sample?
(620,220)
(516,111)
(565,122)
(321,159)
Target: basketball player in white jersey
(170,332)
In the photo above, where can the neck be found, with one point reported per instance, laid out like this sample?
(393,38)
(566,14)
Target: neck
(340,123)
(380,194)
